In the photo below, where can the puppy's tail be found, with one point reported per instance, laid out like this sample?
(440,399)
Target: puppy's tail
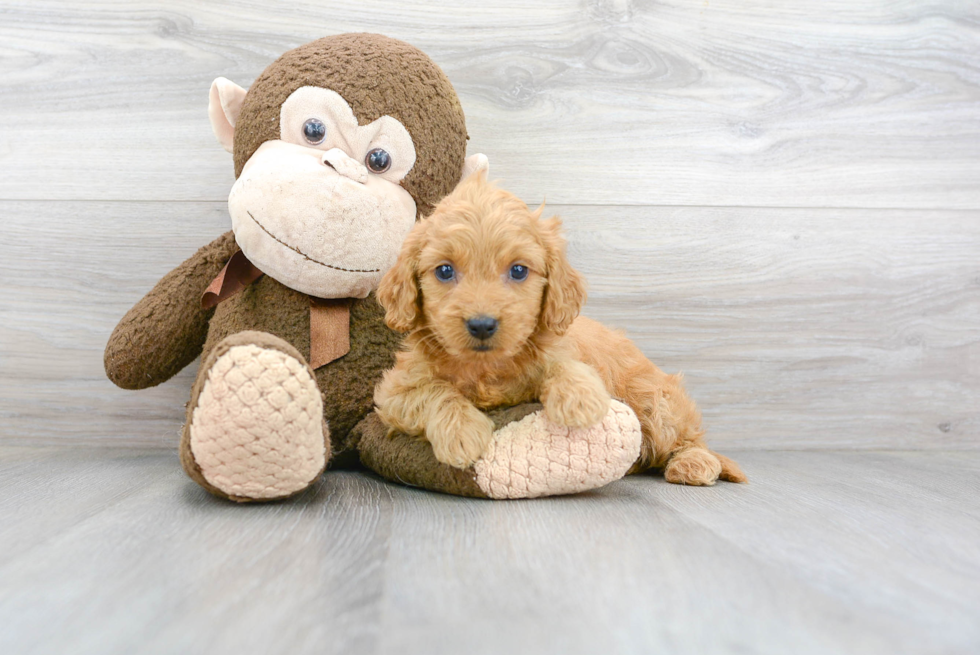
(730,471)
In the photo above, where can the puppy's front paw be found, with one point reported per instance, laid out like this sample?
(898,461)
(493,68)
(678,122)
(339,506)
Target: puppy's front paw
(459,437)
(576,403)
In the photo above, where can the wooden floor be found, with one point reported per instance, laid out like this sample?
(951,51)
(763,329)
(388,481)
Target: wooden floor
(115,551)
(780,199)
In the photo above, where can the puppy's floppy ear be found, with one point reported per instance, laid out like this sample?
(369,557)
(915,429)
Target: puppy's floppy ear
(565,293)
(398,291)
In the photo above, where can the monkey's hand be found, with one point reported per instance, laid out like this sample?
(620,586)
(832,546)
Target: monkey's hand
(166,330)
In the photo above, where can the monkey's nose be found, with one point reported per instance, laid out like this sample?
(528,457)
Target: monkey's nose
(341,162)
(482,327)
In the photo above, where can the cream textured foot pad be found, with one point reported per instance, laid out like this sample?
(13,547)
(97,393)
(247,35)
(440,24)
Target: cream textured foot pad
(535,457)
(257,430)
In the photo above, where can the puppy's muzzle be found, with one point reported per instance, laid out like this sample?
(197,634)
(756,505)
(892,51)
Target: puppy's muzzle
(482,327)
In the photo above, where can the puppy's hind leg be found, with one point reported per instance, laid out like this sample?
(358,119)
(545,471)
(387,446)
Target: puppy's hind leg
(730,471)
(696,466)
(672,434)
(699,466)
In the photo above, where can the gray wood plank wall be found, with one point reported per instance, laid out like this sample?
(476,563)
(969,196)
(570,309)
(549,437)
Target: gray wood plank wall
(781,201)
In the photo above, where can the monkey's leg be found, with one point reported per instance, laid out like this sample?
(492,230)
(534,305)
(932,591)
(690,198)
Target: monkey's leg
(255,429)
(529,456)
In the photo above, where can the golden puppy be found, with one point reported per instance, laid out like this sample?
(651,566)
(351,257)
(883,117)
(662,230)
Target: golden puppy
(490,304)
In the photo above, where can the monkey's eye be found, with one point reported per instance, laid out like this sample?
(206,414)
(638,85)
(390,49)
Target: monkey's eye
(378,160)
(518,272)
(444,273)
(315,131)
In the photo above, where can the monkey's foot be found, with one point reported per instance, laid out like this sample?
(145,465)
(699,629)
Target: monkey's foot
(535,457)
(255,430)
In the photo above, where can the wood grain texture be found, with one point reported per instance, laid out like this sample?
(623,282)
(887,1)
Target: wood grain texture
(795,328)
(831,552)
(780,199)
(730,102)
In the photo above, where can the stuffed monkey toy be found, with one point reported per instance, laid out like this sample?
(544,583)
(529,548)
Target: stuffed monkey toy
(339,147)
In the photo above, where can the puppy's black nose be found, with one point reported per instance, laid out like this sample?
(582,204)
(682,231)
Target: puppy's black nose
(482,327)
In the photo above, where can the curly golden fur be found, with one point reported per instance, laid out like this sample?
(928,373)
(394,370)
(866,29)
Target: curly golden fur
(539,348)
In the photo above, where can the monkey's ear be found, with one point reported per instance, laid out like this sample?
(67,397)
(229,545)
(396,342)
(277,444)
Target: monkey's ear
(224,105)
(475,164)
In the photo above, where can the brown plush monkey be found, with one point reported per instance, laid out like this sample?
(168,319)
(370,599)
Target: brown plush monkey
(339,147)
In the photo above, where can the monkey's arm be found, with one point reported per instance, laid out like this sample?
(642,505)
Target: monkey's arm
(528,455)
(166,330)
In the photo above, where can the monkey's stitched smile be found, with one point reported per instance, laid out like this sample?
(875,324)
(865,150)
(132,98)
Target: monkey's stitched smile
(307,257)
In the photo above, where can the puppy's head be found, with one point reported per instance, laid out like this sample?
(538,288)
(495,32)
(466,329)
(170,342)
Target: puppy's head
(483,274)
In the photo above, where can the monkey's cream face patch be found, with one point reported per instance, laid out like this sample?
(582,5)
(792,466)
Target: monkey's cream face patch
(315,230)
(321,210)
(312,105)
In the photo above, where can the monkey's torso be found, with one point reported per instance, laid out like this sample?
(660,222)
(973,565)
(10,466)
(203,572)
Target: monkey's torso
(347,383)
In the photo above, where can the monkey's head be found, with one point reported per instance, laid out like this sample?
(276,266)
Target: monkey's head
(339,146)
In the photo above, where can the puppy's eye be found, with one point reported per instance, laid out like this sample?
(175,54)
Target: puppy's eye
(378,160)
(314,131)
(445,273)
(518,272)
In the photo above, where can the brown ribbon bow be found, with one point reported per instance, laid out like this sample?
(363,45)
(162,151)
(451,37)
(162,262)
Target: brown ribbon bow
(329,318)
